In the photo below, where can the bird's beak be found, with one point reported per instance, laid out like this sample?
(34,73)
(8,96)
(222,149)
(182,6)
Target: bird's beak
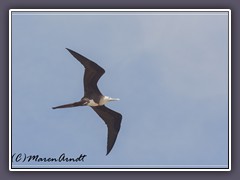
(114,99)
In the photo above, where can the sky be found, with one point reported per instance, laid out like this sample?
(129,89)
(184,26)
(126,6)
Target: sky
(169,69)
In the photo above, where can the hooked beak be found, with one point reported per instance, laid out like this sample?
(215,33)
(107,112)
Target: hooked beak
(114,99)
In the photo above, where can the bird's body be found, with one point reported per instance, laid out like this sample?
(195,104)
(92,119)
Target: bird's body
(103,100)
(94,98)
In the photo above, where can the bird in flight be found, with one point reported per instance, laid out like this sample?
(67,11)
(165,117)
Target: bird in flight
(94,98)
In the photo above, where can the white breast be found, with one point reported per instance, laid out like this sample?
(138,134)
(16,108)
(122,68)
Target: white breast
(92,103)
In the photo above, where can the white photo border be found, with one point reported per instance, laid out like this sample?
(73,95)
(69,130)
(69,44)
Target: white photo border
(119,169)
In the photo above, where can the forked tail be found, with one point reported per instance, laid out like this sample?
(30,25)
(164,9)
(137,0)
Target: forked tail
(80,103)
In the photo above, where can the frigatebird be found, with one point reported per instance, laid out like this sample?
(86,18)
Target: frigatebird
(94,98)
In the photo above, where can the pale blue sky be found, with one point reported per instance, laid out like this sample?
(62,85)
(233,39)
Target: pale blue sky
(170,71)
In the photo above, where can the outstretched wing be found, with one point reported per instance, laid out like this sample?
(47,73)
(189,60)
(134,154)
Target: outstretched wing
(92,74)
(113,121)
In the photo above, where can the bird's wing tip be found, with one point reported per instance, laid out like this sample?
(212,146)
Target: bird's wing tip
(107,153)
